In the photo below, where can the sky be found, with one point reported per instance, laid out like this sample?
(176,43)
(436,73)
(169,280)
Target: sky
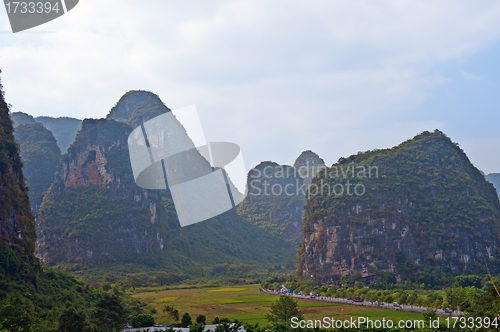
(275,77)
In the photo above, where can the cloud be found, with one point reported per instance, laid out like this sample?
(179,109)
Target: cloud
(276,77)
(472,77)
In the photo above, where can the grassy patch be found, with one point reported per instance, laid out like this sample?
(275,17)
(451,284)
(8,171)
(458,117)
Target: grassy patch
(217,301)
(249,318)
(391,314)
(256,299)
(168,299)
(303,304)
(224,290)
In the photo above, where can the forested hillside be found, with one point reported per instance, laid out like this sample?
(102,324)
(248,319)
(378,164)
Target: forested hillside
(417,210)
(276,196)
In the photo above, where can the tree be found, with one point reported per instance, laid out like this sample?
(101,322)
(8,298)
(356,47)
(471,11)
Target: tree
(171,312)
(186,320)
(196,327)
(403,299)
(106,286)
(388,278)
(225,327)
(430,315)
(110,313)
(71,320)
(283,309)
(201,319)
(142,320)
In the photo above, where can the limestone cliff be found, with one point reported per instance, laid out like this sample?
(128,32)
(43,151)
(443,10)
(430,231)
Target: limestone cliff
(94,212)
(421,205)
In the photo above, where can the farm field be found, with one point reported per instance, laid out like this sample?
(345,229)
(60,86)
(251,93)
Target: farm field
(247,304)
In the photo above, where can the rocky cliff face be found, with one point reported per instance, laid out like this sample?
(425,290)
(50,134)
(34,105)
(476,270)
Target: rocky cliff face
(17,226)
(421,205)
(276,196)
(40,156)
(94,212)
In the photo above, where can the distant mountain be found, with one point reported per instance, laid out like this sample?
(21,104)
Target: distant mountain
(40,155)
(276,196)
(94,212)
(64,129)
(20,118)
(136,107)
(494,178)
(415,210)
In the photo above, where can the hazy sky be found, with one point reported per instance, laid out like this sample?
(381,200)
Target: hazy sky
(275,77)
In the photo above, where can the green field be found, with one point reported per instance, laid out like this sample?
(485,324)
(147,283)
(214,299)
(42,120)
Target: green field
(249,305)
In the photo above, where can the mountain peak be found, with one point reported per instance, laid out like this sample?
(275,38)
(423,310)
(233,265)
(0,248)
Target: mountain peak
(308,159)
(137,106)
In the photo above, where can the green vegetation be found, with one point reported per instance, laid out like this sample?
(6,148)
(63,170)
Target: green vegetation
(31,298)
(142,320)
(283,309)
(186,320)
(248,306)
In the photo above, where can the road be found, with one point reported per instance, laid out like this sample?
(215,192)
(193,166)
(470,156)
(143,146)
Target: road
(411,308)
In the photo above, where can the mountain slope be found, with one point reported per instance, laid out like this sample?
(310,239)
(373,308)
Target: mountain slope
(494,178)
(136,107)
(64,129)
(19,118)
(421,207)
(276,196)
(30,298)
(40,155)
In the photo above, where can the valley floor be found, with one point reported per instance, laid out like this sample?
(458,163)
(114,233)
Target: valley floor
(248,304)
